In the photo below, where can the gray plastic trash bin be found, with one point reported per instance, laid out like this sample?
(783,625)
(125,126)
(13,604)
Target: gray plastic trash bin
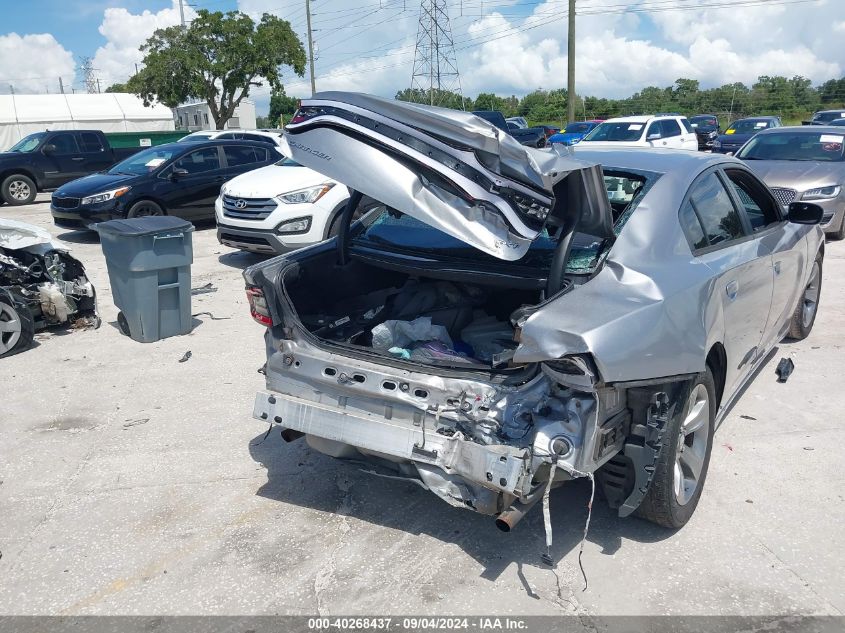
(149,262)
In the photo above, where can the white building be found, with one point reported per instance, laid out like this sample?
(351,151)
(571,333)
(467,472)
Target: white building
(197,116)
(110,112)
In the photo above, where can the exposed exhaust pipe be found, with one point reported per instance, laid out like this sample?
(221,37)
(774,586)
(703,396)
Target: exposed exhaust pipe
(508,519)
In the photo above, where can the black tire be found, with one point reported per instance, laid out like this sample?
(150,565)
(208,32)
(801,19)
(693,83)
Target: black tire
(839,234)
(123,324)
(805,313)
(18,189)
(665,504)
(21,339)
(144,208)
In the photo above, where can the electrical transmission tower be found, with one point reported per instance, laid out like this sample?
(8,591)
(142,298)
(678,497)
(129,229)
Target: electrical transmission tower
(435,66)
(88,73)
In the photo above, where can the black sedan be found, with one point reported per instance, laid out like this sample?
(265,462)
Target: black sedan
(174,179)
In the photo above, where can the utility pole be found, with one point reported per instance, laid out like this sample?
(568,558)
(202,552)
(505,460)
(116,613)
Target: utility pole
(570,65)
(61,86)
(98,85)
(182,13)
(11,89)
(310,47)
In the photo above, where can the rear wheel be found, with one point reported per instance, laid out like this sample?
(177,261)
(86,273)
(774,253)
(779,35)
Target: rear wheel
(808,305)
(18,189)
(681,467)
(143,209)
(17,327)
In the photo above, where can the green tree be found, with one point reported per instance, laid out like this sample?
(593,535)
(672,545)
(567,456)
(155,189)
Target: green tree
(118,88)
(218,59)
(282,107)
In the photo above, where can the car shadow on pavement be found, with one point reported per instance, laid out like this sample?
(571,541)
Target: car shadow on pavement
(80,237)
(300,476)
(241,259)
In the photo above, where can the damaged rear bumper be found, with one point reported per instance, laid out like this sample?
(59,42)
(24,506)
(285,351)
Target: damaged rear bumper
(498,467)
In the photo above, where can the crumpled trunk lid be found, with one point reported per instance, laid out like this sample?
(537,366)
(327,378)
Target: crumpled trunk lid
(449,169)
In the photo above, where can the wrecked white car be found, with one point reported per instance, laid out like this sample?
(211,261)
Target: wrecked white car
(513,318)
(41,285)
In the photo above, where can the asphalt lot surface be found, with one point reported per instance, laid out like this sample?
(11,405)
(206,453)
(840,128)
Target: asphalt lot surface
(135,484)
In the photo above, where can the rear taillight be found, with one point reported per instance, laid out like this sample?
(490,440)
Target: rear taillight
(258,306)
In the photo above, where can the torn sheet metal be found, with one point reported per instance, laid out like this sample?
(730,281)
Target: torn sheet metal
(40,275)
(449,169)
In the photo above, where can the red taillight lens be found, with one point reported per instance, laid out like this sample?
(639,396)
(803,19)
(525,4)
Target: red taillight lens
(258,306)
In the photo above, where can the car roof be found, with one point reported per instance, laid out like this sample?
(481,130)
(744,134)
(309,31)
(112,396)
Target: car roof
(178,145)
(809,129)
(662,161)
(641,118)
(758,118)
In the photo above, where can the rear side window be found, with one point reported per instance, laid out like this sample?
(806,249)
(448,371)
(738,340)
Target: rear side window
(259,138)
(669,128)
(237,155)
(199,161)
(90,143)
(718,220)
(759,207)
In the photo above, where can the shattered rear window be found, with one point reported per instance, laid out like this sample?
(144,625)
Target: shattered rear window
(402,232)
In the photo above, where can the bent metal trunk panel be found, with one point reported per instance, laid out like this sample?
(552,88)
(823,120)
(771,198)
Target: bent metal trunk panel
(448,169)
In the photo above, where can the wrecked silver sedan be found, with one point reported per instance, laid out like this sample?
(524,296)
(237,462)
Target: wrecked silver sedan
(41,285)
(510,318)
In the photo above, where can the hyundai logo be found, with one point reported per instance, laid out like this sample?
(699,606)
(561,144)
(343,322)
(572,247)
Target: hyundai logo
(240,204)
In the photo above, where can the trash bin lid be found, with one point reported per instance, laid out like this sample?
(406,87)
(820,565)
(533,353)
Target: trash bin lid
(145,226)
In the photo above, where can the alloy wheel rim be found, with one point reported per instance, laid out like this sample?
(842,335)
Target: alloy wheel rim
(19,190)
(691,449)
(810,300)
(146,211)
(10,328)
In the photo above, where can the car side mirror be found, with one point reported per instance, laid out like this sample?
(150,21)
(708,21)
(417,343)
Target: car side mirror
(48,149)
(176,174)
(805,213)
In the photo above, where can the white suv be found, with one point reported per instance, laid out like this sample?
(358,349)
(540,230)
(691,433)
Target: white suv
(665,131)
(262,136)
(278,208)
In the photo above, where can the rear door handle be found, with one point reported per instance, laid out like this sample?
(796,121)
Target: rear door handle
(732,289)
(777,268)
(78,158)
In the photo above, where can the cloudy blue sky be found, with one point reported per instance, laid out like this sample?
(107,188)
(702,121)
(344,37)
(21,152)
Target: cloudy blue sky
(503,46)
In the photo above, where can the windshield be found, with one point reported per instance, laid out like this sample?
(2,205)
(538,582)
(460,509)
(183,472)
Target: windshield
(144,162)
(704,122)
(28,143)
(288,162)
(794,146)
(747,126)
(577,128)
(195,138)
(616,131)
(391,229)
(829,116)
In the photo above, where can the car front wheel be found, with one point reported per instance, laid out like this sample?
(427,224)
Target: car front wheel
(17,327)
(681,466)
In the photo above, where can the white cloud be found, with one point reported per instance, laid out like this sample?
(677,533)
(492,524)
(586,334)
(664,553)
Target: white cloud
(34,63)
(125,32)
